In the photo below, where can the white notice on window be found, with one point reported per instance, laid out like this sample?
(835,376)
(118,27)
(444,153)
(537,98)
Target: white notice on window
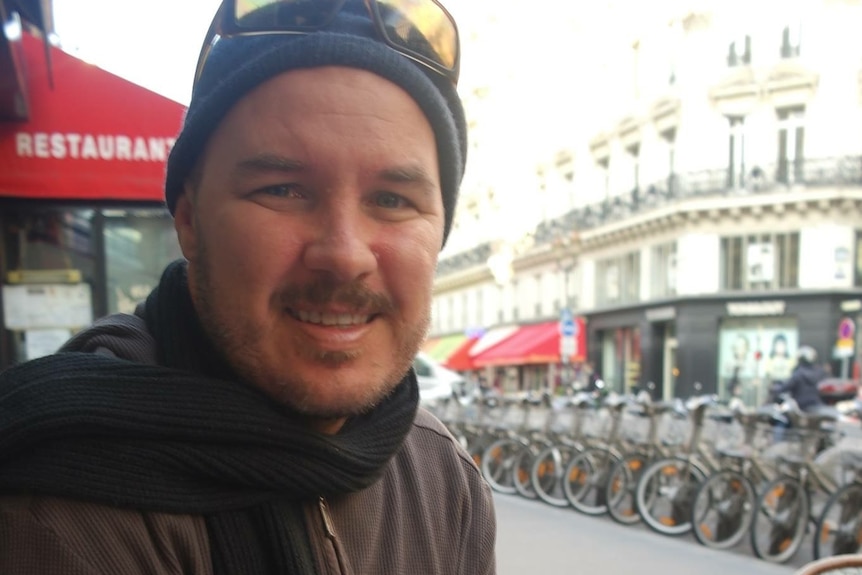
(42,342)
(48,306)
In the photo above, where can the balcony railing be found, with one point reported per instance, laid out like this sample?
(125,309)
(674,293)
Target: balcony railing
(814,173)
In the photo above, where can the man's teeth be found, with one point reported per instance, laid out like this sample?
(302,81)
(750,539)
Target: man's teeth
(339,319)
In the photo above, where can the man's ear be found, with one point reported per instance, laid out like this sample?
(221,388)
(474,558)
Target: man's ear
(184,222)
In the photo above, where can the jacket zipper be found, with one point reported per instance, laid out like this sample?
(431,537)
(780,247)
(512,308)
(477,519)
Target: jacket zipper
(330,532)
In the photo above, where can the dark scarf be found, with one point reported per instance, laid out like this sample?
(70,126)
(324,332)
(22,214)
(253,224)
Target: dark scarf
(185,437)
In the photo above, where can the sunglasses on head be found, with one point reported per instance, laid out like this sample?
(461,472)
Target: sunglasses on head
(422,30)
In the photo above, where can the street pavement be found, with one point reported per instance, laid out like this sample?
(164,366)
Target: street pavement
(534,538)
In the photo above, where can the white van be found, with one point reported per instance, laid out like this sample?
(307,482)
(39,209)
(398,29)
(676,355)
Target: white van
(435,381)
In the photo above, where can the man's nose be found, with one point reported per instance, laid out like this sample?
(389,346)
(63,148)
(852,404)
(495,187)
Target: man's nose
(341,244)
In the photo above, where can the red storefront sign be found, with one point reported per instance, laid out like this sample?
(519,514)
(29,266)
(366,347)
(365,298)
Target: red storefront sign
(93,136)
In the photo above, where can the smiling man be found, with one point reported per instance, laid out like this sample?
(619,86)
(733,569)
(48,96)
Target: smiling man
(312,239)
(258,413)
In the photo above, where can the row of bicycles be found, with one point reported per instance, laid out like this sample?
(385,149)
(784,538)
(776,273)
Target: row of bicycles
(723,473)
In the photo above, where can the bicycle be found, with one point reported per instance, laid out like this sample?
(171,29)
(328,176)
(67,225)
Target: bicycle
(624,476)
(586,475)
(784,509)
(666,489)
(839,527)
(723,506)
(503,456)
(549,465)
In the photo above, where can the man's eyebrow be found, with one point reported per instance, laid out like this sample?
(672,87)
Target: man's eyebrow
(409,175)
(269,163)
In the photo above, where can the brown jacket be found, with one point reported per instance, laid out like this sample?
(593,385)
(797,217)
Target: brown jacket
(430,513)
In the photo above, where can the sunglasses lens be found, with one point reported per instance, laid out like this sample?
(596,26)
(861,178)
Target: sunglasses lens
(283,14)
(422,27)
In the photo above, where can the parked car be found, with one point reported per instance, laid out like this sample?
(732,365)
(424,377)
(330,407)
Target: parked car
(435,381)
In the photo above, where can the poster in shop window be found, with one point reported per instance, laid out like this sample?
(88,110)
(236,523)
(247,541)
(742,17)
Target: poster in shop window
(756,353)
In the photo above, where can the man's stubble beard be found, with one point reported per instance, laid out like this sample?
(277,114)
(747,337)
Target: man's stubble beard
(239,347)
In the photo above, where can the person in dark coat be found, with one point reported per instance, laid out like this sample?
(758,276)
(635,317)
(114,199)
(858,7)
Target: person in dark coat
(802,383)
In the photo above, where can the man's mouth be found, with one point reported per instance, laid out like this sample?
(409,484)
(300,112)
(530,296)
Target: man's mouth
(330,319)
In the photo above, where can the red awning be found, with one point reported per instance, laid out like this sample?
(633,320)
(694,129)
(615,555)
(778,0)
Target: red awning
(93,136)
(459,359)
(532,344)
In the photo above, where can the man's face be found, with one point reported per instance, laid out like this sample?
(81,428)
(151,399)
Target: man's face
(312,237)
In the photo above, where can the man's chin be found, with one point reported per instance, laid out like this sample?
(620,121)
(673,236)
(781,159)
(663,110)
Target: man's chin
(331,396)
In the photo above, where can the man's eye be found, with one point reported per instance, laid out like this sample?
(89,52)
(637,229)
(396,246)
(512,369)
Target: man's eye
(283,191)
(390,200)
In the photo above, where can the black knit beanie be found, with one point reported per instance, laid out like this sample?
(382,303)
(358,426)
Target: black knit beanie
(238,64)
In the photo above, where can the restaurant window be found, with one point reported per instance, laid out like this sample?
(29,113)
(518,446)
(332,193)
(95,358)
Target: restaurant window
(49,276)
(138,245)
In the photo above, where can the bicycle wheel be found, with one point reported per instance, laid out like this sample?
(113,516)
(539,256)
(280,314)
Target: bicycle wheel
(523,467)
(780,520)
(839,527)
(547,474)
(665,492)
(620,489)
(498,463)
(586,478)
(478,444)
(723,509)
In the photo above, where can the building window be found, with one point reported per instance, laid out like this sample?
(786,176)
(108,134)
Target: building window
(663,280)
(634,156)
(450,313)
(790,41)
(618,279)
(465,310)
(605,166)
(669,138)
(739,52)
(736,160)
(858,267)
(537,300)
(516,300)
(760,262)
(791,132)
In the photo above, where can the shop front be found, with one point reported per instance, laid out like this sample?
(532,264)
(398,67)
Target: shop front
(83,230)
(529,358)
(733,346)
